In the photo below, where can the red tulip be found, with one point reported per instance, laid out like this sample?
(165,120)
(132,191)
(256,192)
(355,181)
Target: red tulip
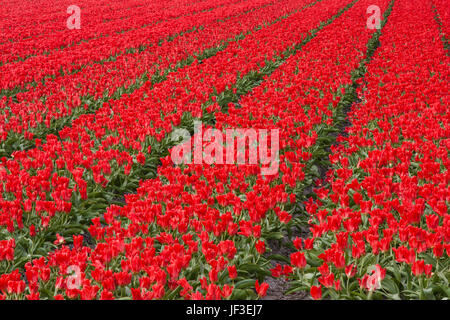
(316,292)
(261,290)
(298,259)
(232,272)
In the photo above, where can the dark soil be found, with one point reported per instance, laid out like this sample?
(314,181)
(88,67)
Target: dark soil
(278,286)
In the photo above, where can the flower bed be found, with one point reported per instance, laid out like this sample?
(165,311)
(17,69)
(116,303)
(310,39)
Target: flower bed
(380,223)
(95,203)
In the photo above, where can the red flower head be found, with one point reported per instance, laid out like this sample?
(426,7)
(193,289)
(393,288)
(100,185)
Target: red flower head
(350,270)
(260,246)
(298,259)
(261,290)
(232,272)
(316,292)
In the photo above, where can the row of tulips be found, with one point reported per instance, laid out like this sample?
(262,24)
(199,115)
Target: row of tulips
(97,20)
(71,59)
(443,17)
(52,105)
(23,17)
(380,224)
(63,182)
(199,231)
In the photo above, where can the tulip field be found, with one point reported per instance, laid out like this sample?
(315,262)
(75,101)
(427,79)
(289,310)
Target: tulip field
(348,199)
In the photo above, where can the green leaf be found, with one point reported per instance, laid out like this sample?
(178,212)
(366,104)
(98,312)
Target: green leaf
(296,289)
(274,235)
(313,260)
(251,267)
(279,257)
(390,285)
(172,294)
(243,284)
(427,293)
(239,294)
